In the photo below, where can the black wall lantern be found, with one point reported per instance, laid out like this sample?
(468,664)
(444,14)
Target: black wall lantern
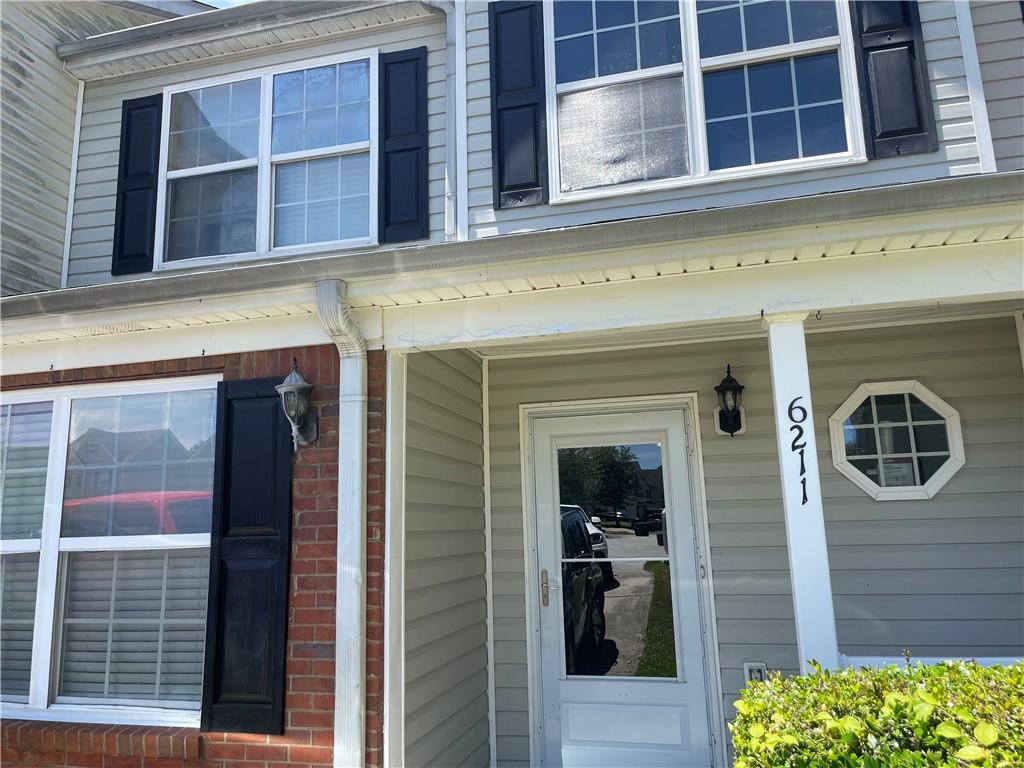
(294,391)
(729,411)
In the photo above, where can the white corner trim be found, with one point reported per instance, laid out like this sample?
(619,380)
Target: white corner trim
(492,723)
(954,435)
(350,599)
(394,563)
(72,184)
(461,126)
(975,87)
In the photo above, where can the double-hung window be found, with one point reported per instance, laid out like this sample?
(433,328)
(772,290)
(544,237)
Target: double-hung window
(104,549)
(275,161)
(645,94)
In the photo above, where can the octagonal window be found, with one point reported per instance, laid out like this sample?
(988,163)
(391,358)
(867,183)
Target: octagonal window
(896,440)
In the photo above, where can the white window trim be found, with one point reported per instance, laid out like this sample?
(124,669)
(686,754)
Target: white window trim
(900,493)
(42,700)
(692,68)
(264,163)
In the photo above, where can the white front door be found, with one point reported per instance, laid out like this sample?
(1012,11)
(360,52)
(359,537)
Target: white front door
(621,639)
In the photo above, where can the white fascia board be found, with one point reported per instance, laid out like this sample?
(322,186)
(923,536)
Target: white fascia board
(166,344)
(976,272)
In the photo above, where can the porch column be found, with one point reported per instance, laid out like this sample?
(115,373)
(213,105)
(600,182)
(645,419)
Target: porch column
(801,491)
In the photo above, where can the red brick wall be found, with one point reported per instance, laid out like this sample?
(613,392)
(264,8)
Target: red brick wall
(309,714)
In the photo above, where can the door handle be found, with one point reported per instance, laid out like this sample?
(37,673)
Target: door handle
(545,587)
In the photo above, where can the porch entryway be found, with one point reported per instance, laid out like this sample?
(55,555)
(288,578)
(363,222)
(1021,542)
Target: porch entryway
(483,441)
(615,562)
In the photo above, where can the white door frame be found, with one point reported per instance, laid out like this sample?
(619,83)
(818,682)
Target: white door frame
(712,665)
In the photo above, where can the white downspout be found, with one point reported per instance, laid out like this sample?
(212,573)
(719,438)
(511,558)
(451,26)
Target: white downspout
(350,618)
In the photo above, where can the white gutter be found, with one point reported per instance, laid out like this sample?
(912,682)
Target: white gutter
(350,607)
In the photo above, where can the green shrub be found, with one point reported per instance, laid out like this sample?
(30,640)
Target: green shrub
(954,715)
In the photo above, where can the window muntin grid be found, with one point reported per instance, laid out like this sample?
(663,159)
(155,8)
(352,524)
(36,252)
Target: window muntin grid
(810,134)
(896,440)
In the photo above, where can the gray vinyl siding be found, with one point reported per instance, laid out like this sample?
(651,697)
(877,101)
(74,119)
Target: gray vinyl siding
(957,154)
(943,576)
(752,599)
(446,721)
(999,33)
(93,225)
(38,124)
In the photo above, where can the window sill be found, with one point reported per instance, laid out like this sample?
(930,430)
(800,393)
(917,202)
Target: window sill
(275,254)
(35,741)
(750,172)
(98,715)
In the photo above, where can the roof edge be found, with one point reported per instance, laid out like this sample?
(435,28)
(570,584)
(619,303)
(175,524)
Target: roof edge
(950,193)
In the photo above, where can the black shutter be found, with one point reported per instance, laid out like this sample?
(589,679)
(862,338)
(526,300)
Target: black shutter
(244,677)
(404,144)
(895,99)
(137,173)
(519,154)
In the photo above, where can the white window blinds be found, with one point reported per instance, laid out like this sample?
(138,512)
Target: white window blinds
(24,449)
(18,574)
(134,625)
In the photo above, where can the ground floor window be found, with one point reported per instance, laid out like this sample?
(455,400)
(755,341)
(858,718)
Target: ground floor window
(107,495)
(896,440)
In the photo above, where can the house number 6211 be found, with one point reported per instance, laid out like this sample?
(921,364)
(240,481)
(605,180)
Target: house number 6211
(798,415)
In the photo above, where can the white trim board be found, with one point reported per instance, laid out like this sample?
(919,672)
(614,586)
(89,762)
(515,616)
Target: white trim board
(955,274)
(492,721)
(72,184)
(394,563)
(975,86)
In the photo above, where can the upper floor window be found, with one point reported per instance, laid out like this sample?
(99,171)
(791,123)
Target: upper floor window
(280,159)
(650,93)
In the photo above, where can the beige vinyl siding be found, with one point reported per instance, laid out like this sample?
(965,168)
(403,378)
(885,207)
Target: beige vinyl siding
(999,32)
(37,124)
(941,576)
(957,154)
(752,598)
(93,225)
(446,710)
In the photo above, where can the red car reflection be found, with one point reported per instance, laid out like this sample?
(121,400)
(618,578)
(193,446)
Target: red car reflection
(138,513)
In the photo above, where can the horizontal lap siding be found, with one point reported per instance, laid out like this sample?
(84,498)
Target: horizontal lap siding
(93,224)
(999,32)
(38,133)
(957,154)
(942,576)
(753,599)
(446,708)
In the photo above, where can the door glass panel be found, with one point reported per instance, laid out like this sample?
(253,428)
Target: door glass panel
(615,583)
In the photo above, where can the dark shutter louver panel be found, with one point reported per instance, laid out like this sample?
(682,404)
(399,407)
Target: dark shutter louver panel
(518,123)
(244,678)
(403,202)
(138,171)
(895,99)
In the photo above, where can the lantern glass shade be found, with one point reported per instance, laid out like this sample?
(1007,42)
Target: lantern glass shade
(729,392)
(294,392)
